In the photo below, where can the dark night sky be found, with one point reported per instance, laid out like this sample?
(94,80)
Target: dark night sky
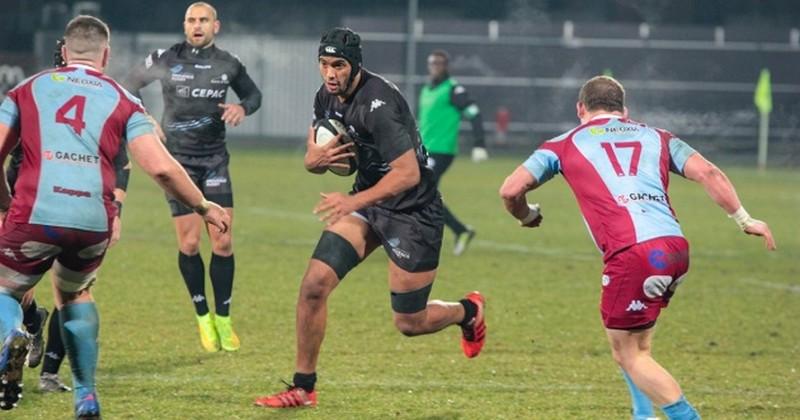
(292,17)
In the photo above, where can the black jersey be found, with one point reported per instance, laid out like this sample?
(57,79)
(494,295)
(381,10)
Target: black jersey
(194,81)
(382,126)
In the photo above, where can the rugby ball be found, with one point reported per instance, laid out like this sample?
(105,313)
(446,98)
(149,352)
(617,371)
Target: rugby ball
(326,130)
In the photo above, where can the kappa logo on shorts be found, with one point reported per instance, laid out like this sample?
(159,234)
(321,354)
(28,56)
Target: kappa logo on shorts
(636,306)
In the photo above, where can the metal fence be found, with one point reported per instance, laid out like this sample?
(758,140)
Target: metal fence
(697,82)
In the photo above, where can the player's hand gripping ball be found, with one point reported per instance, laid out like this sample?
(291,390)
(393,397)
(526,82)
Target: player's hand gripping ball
(326,130)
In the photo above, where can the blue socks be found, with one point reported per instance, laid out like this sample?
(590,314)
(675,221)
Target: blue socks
(79,327)
(680,410)
(642,406)
(10,316)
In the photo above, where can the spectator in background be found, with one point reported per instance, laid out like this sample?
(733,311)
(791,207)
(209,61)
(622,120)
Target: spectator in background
(442,104)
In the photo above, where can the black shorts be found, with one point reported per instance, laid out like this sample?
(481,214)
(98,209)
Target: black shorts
(412,239)
(210,174)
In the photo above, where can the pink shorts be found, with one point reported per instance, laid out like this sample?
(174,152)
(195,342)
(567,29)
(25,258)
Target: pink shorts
(640,280)
(27,251)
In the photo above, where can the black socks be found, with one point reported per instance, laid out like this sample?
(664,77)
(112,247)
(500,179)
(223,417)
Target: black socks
(54,351)
(194,274)
(31,318)
(470,311)
(221,271)
(306,381)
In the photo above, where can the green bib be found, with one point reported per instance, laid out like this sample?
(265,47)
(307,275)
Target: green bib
(439,120)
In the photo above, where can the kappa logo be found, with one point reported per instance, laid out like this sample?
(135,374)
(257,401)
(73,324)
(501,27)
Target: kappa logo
(376,103)
(330,49)
(198,298)
(636,306)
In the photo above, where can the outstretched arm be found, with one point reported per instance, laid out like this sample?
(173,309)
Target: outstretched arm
(722,192)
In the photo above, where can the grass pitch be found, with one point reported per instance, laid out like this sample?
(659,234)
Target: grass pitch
(731,336)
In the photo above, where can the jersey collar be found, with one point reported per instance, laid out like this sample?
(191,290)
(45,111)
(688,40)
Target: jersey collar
(82,66)
(604,116)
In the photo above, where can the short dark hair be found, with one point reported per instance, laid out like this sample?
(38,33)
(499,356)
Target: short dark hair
(602,93)
(86,35)
(441,53)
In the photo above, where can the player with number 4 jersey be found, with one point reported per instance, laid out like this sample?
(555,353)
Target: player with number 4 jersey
(71,123)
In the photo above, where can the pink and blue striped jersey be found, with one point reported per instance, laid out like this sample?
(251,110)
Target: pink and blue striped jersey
(70,123)
(618,171)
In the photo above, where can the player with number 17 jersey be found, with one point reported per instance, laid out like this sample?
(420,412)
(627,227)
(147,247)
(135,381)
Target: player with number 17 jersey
(618,170)
(70,137)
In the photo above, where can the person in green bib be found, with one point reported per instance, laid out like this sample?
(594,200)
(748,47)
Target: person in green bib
(442,104)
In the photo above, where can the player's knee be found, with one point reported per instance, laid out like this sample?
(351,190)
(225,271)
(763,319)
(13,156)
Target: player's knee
(317,284)
(337,253)
(223,246)
(313,290)
(189,246)
(624,359)
(409,325)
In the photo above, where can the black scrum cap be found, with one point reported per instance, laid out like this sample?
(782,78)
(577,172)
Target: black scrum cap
(344,43)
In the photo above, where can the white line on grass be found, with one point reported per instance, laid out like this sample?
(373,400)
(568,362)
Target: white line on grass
(410,385)
(500,246)
(791,288)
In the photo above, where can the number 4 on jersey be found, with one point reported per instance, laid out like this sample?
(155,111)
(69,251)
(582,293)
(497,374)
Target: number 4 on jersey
(77,102)
(612,156)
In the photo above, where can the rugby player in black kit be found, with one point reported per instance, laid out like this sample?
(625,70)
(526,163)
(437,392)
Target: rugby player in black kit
(394,203)
(195,76)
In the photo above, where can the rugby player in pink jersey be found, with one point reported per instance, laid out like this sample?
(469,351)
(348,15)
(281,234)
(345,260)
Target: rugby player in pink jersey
(618,170)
